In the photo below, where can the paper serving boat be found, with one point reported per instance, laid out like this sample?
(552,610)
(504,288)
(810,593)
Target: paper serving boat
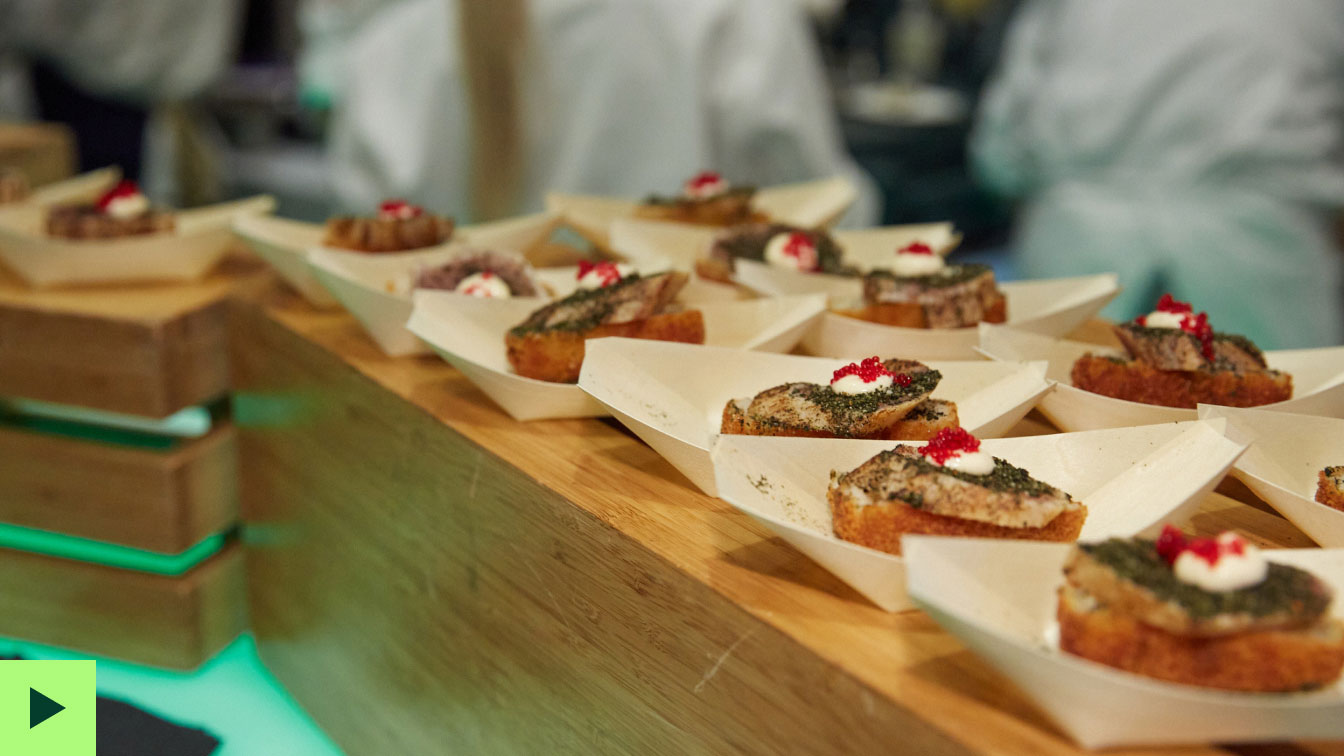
(1286,453)
(1052,307)
(86,187)
(469,332)
(672,395)
(375,288)
(684,244)
(284,244)
(1318,382)
(807,203)
(1131,479)
(200,239)
(998,597)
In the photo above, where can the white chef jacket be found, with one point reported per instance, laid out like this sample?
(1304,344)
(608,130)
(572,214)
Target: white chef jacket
(621,97)
(1194,147)
(142,50)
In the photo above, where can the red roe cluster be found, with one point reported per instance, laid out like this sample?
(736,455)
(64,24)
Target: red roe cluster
(1172,543)
(124,188)
(799,246)
(870,370)
(915,248)
(1196,325)
(948,443)
(607,272)
(703,181)
(396,209)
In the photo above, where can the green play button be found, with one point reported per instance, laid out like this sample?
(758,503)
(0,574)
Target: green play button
(41,708)
(48,708)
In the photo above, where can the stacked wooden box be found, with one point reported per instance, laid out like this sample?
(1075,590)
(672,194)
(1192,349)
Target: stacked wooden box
(120,543)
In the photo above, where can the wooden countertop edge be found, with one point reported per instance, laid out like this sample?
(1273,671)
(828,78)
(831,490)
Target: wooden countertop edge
(1017,727)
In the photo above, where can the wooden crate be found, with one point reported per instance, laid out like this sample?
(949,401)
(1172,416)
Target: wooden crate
(162,501)
(176,622)
(147,350)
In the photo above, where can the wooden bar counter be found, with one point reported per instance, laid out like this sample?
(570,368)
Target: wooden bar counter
(429,576)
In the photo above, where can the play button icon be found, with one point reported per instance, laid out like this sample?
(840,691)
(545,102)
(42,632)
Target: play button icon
(48,708)
(41,708)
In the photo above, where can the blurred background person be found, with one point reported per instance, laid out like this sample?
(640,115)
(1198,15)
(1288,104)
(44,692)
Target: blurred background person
(477,109)
(117,72)
(1192,147)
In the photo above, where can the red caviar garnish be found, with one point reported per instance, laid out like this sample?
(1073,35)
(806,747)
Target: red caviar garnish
(607,272)
(478,288)
(124,188)
(799,246)
(948,443)
(1172,543)
(398,209)
(915,248)
(868,371)
(702,181)
(1196,325)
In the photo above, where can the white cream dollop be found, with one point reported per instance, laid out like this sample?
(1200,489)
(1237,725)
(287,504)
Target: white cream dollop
(971,463)
(915,264)
(128,206)
(853,384)
(596,279)
(791,250)
(705,186)
(484,284)
(1231,572)
(1162,319)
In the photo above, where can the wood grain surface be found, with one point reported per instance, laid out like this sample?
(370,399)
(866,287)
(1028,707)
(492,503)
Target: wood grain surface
(176,622)
(427,575)
(145,350)
(163,501)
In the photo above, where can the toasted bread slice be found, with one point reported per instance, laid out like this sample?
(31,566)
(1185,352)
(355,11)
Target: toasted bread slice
(387,234)
(914,315)
(1129,576)
(924,421)
(557,355)
(1330,487)
(727,209)
(1175,349)
(1140,382)
(959,296)
(898,492)
(1264,660)
(548,345)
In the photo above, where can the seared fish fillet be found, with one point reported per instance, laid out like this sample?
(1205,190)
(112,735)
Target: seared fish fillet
(1008,497)
(1174,349)
(961,295)
(632,298)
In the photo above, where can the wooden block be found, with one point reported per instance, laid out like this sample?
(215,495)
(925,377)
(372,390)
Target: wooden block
(142,350)
(163,501)
(427,575)
(176,622)
(44,152)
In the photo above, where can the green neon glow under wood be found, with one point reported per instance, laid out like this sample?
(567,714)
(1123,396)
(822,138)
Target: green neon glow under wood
(108,554)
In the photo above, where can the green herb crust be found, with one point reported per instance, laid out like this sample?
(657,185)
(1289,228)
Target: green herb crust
(749,243)
(1283,589)
(1005,477)
(660,200)
(949,276)
(846,410)
(600,301)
